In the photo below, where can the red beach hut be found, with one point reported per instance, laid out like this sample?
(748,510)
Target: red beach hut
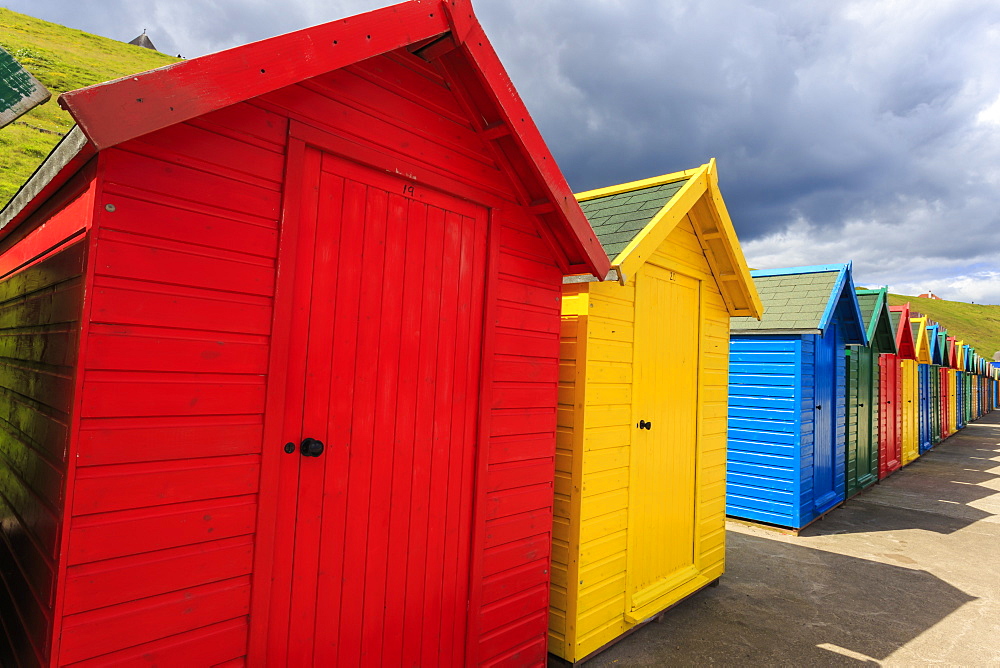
(285,330)
(890,448)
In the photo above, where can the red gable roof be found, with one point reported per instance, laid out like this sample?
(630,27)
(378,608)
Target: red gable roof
(443,30)
(904,335)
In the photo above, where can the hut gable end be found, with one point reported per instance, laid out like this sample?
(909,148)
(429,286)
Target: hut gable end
(635,220)
(876,318)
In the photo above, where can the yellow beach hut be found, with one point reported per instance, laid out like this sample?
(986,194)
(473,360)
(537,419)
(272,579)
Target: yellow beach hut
(641,459)
(910,398)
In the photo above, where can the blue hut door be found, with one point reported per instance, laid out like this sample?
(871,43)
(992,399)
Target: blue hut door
(824,424)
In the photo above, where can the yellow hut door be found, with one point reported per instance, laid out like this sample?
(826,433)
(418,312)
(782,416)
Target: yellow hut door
(662,480)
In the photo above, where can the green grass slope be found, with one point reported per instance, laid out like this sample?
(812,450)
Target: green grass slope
(62,59)
(978,325)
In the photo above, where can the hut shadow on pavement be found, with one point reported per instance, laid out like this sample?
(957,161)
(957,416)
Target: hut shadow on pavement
(784,604)
(949,488)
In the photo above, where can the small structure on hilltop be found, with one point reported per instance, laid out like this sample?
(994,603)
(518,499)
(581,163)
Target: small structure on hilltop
(143,41)
(929,295)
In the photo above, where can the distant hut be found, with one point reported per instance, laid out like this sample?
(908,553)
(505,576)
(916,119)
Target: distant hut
(143,41)
(787,396)
(922,349)
(863,406)
(909,383)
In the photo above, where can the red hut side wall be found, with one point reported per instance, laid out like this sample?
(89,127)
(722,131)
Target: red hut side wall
(41,300)
(170,457)
(168,450)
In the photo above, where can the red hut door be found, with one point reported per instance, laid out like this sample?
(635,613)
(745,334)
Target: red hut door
(890,443)
(373,538)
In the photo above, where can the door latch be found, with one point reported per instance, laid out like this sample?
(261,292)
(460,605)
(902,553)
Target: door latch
(310,447)
(644,425)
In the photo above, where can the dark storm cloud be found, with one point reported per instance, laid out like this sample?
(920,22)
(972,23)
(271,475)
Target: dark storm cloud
(844,130)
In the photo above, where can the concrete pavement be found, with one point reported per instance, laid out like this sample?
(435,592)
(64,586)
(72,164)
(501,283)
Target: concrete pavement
(907,573)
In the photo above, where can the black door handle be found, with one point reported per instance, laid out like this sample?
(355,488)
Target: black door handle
(645,425)
(310,447)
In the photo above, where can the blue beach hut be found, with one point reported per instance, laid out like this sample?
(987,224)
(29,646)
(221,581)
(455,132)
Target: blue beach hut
(937,357)
(787,396)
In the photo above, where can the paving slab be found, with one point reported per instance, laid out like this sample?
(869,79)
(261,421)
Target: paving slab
(907,573)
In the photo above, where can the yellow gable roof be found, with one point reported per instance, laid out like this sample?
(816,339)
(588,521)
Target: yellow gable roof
(633,219)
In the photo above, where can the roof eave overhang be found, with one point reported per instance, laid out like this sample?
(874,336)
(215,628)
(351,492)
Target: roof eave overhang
(67,158)
(775,332)
(113,112)
(844,286)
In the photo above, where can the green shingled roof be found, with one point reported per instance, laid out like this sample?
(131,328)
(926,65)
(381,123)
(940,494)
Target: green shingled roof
(867,304)
(791,301)
(617,219)
(880,334)
(895,316)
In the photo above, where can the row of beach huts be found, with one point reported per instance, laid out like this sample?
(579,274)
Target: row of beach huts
(311,357)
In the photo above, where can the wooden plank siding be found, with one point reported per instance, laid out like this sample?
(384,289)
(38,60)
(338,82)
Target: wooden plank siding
(910,410)
(175,371)
(517,489)
(590,583)
(772,414)
(40,314)
(766,410)
(41,302)
(174,380)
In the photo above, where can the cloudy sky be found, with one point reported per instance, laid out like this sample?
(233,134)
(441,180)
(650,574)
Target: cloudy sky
(865,131)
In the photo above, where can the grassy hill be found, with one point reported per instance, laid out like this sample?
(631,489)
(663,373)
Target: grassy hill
(977,324)
(62,59)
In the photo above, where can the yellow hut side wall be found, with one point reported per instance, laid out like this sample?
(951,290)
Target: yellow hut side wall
(911,408)
(592,489)
(566,516)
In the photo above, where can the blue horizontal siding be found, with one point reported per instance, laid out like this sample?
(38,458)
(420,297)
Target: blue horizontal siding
(756,475)
(763,440)
(762,452)
(761,378)
(739,390)
(759,510)
(785,370)
(763,413)
(763,435)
